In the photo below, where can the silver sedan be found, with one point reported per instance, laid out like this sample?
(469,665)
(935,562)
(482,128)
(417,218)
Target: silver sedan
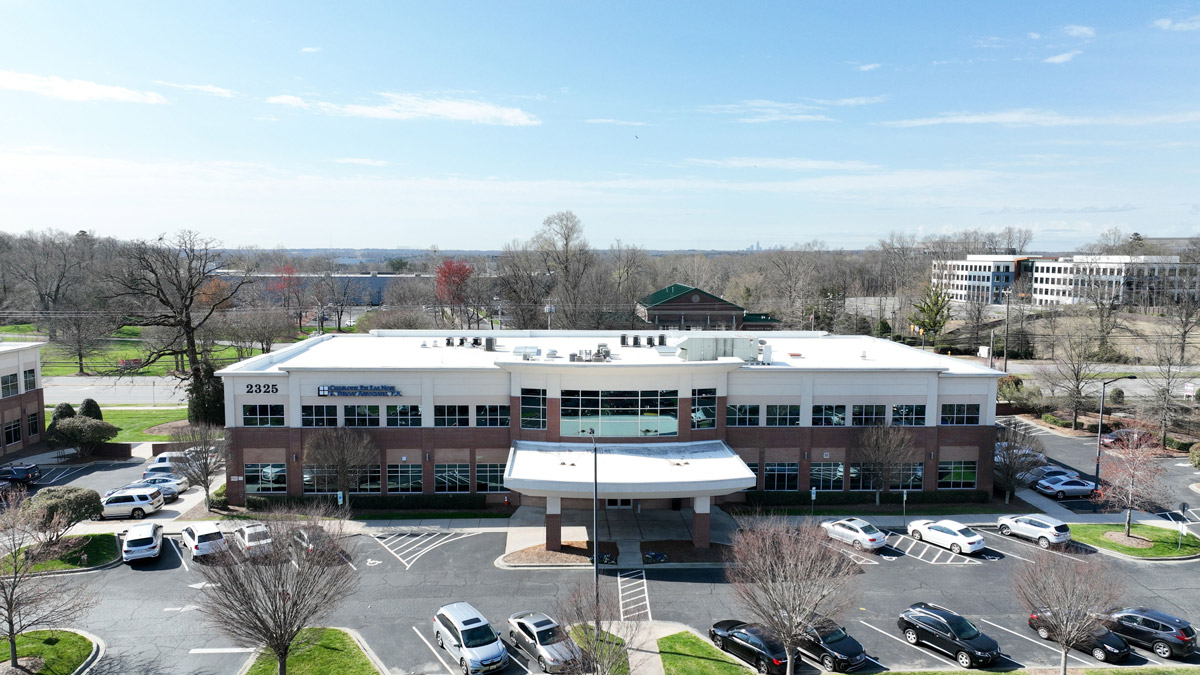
(1065,486)
(543,639)
(857,532)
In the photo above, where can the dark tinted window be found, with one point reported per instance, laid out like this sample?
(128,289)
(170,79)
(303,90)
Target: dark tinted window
(1061,528)
(1188,632)
(962,628)
(211,536)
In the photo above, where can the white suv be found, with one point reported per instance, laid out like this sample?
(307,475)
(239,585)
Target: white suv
(462,631)
(142,541)
(203,538)
(133,503)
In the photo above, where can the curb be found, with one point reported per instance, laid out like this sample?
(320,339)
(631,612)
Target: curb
(249,663)
(362,644)
(500,564)
(85,570)
(98,649)
(1126,556)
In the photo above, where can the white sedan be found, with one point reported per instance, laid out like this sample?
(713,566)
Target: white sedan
(950,534)
(857,532)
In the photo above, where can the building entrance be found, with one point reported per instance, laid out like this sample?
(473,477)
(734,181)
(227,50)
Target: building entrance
(618,503)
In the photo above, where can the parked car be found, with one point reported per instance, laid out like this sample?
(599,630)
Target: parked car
(142,541)
(180,483)
(173,457)
(160,469)
(1167,636)
(856,532)
(1128,438)
(169,493)
(133,503)
(466,636)
(1049,471)
(751,643)
(830,645)
(947,632)
(1026,456)
(1101,643)
(311,539)
(20,473)
(1037,527)
(949,534)
(203,538)
(1062,487)
(543,639)
(253,539)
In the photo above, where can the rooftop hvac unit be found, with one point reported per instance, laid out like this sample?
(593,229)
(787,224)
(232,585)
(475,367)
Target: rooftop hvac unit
(449,342)
(552,353)
(462,341)
(489,344)
(637,341)
(662,338)
(526,349)
(624,340)
(649,340)
(574,357)
(477,342)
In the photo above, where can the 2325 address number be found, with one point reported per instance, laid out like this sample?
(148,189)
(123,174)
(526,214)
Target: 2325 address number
(262,389)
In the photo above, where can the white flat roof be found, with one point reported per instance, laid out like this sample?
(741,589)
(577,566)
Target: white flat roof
(415,350)
(626,470)
(11,346)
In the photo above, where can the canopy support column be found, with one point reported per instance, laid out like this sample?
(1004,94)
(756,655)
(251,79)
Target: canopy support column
(553,523)
(701,521)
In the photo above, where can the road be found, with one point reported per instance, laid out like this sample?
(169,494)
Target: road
(109,390)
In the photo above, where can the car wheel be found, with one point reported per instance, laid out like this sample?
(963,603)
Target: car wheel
(857,545)
(964,659)
(828,663)
(911,636)
(718,642)
(542,664)
(955,548)
(761,666)
(512,637)
(137,514)
(1044,633)
(462,665)
(1098,654)
(915,534)
(1162,649)
(1043,542)
(438,638)
(1060,495)
(1005,530)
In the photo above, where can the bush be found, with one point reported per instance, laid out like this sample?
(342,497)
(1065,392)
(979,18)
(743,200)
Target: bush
(1176,444)
(218,503)
(1117,396)
(256,503)
(82,433)
(760,498)
(89,408)
(1108,427)
(1010,381)
(1194,455)
(61,507)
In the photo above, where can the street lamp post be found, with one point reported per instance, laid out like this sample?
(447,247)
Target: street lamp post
(596,528)
(1100,426)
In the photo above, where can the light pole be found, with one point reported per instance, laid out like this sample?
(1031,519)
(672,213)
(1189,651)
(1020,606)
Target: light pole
(596,528)
(1007,304)
(1100,426)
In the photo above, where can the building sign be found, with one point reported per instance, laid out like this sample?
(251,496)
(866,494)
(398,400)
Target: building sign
(357,390)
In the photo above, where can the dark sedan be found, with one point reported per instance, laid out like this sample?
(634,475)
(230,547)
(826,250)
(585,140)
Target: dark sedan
(751,643)
(1101,643)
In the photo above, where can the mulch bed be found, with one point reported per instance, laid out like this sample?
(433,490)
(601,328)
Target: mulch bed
(683,551)
(27,664)
(572,552)
(168,428)
(1132,541)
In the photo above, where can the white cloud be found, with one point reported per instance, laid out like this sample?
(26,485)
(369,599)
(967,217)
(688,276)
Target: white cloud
(785,163)
(309,50)
(202,88)
(1080,31)
(1028,117)
(1034,36)
(858,100)
(74,90)
(1191,23)
(362,161)
(992,42)
(624,123)
(869,66)
(759,110)
(412,107)
(1062,58)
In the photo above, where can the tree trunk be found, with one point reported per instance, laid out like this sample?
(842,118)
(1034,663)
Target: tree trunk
(791,662)
(281,658)
(1062,662)
(80,356)
(12,648)
(1128,518)
(1007,495)
(877,498)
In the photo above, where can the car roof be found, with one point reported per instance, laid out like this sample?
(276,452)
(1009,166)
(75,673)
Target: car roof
(1049,520)
(135,491)
(952,524)
(141,530)
(538,619)
(462,613)
(929,608)
(205,527)
(1156,615)
(857,522)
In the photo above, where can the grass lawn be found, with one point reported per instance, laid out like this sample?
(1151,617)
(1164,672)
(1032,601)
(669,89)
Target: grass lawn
(1166,540)
(133,423)
(62,650)
(58,362)
(18,328)
(422,515)
(686,654)
(334,651)
(583,634)
(99,548)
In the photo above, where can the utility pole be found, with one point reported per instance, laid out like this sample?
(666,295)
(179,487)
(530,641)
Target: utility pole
(1007,304)
(992,349)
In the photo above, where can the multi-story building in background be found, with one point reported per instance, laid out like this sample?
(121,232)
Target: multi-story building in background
(1138,281)
(22,404)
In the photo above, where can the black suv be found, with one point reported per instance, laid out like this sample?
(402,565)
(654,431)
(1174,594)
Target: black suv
(947,632)
(20,473)
(1166,635)
(828,644)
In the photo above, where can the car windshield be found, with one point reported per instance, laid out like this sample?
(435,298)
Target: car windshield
(1099,631)
(831,634)
(550,636)
(967,532)
(868,529)
(479,636)
(138,543)
(258,535)
(962,628)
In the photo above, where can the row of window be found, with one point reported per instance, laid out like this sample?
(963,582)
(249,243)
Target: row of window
(264,478)
(8,383)
(12,429)
(645,413)
(829,476)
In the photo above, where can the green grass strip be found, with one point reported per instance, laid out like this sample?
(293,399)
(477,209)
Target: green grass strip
(686,654)
(133,423)
(62,650)
(100,549)
(1166,540)
(330,651)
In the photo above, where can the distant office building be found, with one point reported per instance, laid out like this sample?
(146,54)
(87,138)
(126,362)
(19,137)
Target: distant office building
(1140,281)
(22,404)
(981,277)
(683,307)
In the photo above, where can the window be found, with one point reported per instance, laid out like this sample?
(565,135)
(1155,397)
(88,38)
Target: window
(908,476)
(862,476)
(489,478)
(266,478)
(318,415)
(908,415)
(491,415)
(829,416)
(960,413)
(956,474)
(452,477)
(451,416)
(825,475)
(30,379)
(620,413)
(533,408)
(783,415)
(869,415)
(781,476)
(404,477)
(704,408)
(361,415)
(741,415)
(753,466)
(12,432)
(8,385)
(319,479)
(403,415)
(35,426)
(365,479)
(262,415)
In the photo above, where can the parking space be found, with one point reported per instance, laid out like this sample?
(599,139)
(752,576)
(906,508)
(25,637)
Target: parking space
(855,556)
(407,545)
(902,545)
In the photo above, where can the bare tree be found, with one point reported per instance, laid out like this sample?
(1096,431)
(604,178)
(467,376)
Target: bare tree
(975,318)
(1168,378)
(1018,451)
(785,581)
(1073,373)
(883,453)
(203,457)
(1133,476)
(269,600)
(524,283)
(1182,309)
(566,253)
(605,652)
(1067,594)
(29,601)
(342,456)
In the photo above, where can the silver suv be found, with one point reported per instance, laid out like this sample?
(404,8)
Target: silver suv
(132,503)
(1037,527)
(462,631)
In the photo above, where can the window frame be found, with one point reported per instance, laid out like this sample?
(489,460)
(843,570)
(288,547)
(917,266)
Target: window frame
(459,413)
(490,470)
(822,413)
(950,466)
(400,416)
(960,414)
(791,415)
(277,487)
(859,416)
(9,385)
(742,415)
(493,415)
(12,432)
(908,415)
(309,418)
(781,476)
(364,415)
(836,483)
(29,378)
(533,408)
(704,404)
(405,470)
(270,414)
(442,471)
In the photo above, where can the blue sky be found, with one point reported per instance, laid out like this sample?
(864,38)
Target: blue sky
(663,124)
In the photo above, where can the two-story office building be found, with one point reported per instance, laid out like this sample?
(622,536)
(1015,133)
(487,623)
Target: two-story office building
(21,400)
(691,416)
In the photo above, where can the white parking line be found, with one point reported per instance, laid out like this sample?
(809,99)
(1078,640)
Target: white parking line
(1014,540)
(347,559)
(221,650)
(1134,650)
(905,642)
(1037,642)
(435,654)
(180,554)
